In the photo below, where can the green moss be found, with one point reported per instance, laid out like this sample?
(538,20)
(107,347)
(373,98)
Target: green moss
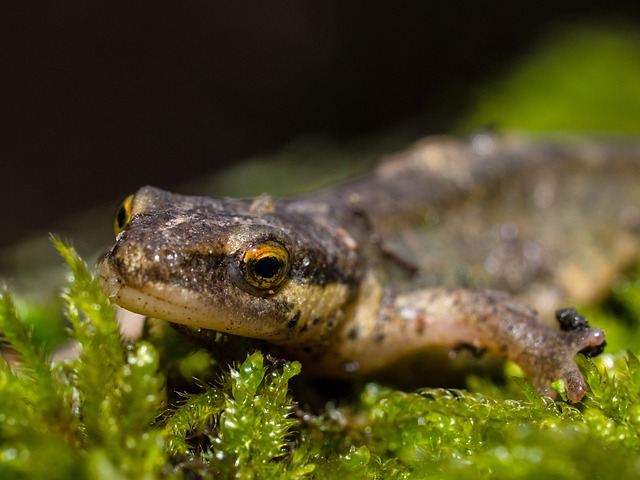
(86,416)
(583,79)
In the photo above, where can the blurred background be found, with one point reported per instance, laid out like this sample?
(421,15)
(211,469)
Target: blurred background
(99,98)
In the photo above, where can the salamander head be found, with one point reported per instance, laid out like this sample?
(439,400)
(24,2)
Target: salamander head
(247,267)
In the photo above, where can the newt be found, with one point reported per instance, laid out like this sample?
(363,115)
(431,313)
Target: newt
(445,244)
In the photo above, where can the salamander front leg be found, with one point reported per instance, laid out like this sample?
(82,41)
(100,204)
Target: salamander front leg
(496,322)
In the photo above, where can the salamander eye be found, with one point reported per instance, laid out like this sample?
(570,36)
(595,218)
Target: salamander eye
(264,266)
(123,215)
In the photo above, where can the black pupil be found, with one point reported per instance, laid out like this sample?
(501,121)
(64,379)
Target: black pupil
(122,216)
(267,267)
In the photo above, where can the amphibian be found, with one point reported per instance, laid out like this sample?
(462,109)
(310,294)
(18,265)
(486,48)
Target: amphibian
(344,281)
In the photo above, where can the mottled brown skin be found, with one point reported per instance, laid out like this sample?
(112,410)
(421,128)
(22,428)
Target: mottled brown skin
(356,296)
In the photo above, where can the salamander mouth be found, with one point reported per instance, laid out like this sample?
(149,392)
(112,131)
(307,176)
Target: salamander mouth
(156,301)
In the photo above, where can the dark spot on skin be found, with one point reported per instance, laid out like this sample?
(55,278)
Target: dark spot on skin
(315,321)
(353,333)
(292,322)
(421,324)
(304,328)
(331,323)
(504,347)
(475,352)
(378,337)
(491,298)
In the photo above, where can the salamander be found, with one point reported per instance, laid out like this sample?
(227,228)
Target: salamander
(453,242)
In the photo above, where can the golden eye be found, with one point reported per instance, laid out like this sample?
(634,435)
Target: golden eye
(265,266)
(123,216)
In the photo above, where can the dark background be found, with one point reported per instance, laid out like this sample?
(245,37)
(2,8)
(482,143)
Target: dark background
(98,98)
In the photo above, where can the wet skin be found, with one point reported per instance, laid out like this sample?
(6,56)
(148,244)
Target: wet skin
(418,254)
